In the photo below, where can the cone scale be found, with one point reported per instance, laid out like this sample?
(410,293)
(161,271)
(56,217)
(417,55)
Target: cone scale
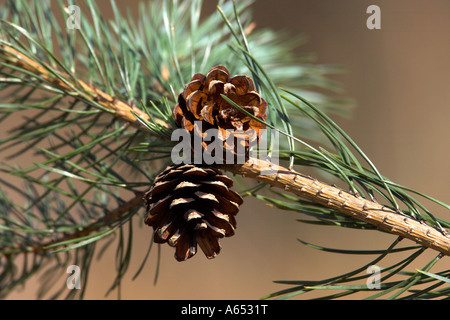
(201,102)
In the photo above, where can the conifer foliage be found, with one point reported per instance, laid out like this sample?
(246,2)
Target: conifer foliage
(88,106)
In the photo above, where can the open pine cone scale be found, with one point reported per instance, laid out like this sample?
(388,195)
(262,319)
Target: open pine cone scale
(201,101)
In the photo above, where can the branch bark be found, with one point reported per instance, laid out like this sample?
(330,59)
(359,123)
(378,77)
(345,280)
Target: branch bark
(357,207)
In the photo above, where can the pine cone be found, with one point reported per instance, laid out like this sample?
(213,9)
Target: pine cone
(201,101)
(190,205)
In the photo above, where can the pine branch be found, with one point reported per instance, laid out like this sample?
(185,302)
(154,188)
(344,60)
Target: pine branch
(80,90)
(130,69)
(371,212)
(382,217)
(110,217)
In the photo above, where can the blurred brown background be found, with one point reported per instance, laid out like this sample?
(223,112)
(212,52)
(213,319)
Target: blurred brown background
(399,77)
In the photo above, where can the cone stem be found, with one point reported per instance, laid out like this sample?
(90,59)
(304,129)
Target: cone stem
(355,206)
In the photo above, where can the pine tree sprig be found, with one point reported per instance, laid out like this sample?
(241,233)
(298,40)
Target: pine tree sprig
(353,205)
(84,233)
(385,219)
(96,106)
(79,89)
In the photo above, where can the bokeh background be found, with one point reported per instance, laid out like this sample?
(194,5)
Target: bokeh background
(399,78)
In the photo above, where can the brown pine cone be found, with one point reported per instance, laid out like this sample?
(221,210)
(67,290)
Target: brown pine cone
(190,205)
(201,101)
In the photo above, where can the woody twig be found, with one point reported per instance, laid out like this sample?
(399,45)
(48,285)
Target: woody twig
(355,206)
